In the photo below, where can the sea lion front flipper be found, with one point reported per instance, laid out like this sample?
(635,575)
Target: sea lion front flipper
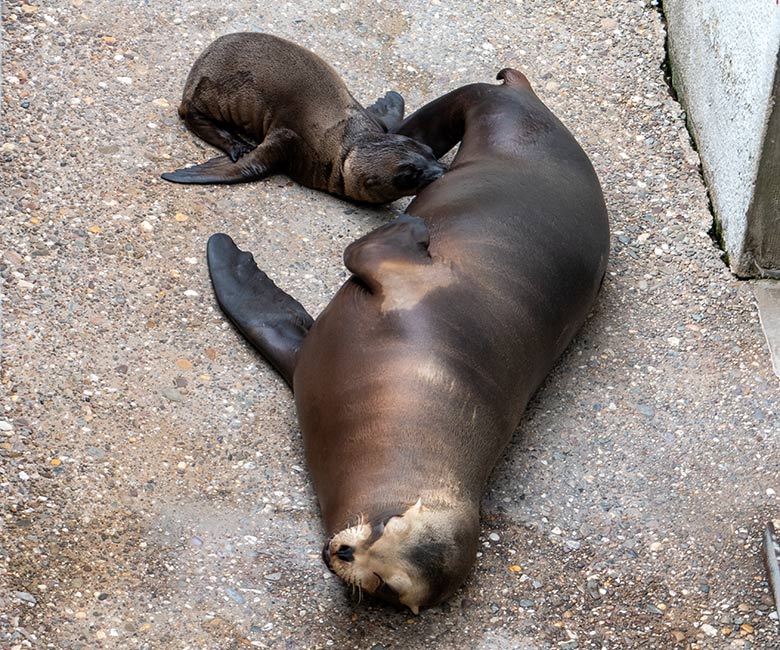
(440,124)
(265,159)
(270,319)
(399,243)
(388,111)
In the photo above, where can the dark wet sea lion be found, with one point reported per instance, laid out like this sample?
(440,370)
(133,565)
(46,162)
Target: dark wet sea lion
(274,107)
(409,384)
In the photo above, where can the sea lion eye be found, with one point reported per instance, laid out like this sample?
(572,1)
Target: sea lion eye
(409,170)
(385,588)
(346,553)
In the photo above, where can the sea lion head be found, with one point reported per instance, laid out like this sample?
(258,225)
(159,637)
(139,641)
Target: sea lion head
(383,167)
(417,557)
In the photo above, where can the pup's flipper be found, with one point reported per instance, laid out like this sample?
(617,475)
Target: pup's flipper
(388,111)
(265,159)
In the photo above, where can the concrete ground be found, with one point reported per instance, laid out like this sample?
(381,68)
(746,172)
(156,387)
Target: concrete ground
(154,494)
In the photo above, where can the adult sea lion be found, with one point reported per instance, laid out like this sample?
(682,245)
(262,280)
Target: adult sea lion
(409,384)
(274,107)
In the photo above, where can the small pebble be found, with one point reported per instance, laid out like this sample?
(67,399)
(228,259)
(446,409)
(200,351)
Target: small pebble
(646,410)
(709,630)
(173,395)
(23,595)
(234,595)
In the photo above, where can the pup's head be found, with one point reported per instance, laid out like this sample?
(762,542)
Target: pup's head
(417,557)
(383,167)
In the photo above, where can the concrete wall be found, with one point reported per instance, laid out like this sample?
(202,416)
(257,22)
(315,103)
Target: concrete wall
(724,58)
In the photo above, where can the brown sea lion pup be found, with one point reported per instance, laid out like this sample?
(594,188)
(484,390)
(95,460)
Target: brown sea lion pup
(274,107)
(409,384)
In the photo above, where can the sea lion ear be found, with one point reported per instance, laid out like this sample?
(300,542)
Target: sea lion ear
(396,526)
(416,509)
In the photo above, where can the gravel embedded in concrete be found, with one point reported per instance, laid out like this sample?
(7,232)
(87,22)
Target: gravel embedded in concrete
(152,479)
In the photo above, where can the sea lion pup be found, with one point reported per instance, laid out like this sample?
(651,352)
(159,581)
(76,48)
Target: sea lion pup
(274,107)
(409,384)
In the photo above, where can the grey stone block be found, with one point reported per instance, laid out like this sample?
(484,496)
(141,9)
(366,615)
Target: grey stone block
(724,59)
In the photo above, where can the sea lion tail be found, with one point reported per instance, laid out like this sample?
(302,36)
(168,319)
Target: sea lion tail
(512,77)
(220,170)
(270,319)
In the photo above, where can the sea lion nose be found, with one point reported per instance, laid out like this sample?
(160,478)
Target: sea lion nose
(435,170)
(346,553)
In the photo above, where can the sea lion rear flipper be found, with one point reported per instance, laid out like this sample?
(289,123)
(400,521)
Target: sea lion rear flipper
(217,135)
(217,170)
(388,111)
(263,160)
(271,320)
(403,241)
